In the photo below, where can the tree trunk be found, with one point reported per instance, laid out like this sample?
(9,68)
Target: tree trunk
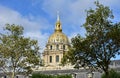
(13,73)
(107,74)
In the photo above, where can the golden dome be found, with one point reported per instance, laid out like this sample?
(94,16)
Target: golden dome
(58,36)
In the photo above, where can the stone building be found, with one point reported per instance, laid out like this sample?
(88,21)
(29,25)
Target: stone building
(56,46)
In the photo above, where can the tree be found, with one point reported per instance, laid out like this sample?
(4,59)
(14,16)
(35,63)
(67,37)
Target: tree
(17,53)
(102,41)
(113,74)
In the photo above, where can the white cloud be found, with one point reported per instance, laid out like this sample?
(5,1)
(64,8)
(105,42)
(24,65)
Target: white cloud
(32,26)
(42,38)
(73,11)
(72,14)
(13,17)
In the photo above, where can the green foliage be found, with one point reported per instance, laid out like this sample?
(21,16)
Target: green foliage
(112,74)
(102,41)
(115,33)
(64,76)
(50,76)
(17,53)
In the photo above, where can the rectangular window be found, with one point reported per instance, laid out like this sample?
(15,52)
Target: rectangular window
(50,59)
(57,58)
(63,47)
(57,47)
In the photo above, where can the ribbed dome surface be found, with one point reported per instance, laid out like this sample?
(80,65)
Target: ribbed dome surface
(58,37)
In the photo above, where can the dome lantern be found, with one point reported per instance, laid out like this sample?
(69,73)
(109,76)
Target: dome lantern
(58,26)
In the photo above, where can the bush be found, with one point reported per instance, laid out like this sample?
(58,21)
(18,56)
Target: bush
(112,74)
(64,76)
(35,75)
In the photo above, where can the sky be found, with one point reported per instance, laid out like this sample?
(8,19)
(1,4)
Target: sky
(38,17)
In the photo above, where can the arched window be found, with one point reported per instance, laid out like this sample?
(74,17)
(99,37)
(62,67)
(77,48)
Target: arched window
(50,59)
(57,58)
(58,26)
(51,47)
(57,47)
(63,47)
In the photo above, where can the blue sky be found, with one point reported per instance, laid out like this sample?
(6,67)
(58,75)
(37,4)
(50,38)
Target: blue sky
(38,17)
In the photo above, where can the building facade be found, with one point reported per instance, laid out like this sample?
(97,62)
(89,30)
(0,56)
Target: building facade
(56,46)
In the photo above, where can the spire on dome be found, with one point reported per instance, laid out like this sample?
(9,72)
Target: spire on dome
(58,17)
(58,23)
